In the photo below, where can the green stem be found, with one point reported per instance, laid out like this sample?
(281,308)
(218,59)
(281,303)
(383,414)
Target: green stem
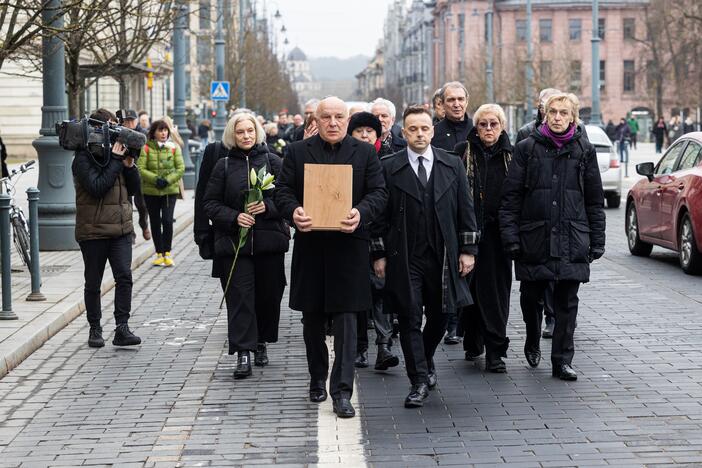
(242,241)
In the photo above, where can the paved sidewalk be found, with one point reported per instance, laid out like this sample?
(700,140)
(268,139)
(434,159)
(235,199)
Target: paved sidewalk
(62,285)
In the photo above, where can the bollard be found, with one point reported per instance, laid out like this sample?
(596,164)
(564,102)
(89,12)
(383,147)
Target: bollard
(34,268)
(6,313)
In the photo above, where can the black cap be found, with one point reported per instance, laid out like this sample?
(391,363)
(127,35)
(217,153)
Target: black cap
(365,119)
(126,114)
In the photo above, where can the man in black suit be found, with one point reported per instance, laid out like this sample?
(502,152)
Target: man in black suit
(329,274)
(424,245)
(456,125)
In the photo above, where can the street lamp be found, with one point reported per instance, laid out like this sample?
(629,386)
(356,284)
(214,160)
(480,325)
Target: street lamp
(488,66)
(595,115)
(529,68)
(220,120)
(179,51)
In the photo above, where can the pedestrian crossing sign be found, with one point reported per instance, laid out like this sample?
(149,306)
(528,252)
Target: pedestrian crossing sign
(219,90)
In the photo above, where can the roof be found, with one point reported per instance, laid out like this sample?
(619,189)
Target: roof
(502,3)
(297,55)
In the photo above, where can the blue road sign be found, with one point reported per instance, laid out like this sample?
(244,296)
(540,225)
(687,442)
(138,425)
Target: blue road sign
(219,90)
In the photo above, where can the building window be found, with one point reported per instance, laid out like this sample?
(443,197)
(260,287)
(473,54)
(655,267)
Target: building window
(545,28)
(521,30)
(575,29)
(601,28)
(629,75)
(545,71)
(602,75)
(629,28)
(204,50)
(575,76)
(204,15)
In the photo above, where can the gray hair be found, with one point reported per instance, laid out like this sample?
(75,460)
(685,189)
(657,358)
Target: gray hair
(546,93)
(229,135)
(312,102)
(384,102)
(437,95)
(452,84)
(490,109)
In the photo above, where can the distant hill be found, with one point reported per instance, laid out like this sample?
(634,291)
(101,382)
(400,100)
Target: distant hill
(333,68)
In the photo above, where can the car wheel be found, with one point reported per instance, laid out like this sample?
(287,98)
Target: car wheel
(636,245)
(690,257)
(614,200)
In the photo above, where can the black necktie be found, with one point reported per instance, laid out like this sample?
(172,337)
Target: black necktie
(422,172)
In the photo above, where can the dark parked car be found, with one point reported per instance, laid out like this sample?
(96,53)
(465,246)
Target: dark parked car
(665,209)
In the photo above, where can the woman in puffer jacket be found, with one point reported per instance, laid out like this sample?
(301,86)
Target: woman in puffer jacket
(161,167)
(257,282)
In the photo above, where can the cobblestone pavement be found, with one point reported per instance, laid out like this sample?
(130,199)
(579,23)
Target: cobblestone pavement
(173,401)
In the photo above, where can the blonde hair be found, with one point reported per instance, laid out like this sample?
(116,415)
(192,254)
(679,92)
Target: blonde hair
(490,109)
(175,136)
(229,135)
(565,97)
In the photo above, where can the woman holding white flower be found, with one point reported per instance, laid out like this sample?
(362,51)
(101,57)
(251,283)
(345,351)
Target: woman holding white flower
(250,240)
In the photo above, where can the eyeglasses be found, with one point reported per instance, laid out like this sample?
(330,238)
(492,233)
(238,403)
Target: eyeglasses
(489,125)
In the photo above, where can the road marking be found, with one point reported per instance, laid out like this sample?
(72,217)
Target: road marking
(339,441)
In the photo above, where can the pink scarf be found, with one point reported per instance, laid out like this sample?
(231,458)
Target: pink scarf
(558,139)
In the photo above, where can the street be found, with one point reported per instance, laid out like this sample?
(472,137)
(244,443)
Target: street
(173,400)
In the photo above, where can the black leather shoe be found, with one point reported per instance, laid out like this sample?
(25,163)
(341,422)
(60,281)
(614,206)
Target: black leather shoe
(243,365)
(343,408)
(495,364)
(451,337)
(433,380)
(95,339)
(548,329)
(385,358)
(533,356)
(318,392)
(261,355)
(471,356)
(564,372)
(361,359)
(125,337)
(418,393)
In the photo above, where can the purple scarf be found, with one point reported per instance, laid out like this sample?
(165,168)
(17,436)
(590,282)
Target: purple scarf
(558,139)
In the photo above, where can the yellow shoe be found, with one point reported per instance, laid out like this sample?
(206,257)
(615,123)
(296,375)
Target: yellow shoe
(167,260)
(158,261)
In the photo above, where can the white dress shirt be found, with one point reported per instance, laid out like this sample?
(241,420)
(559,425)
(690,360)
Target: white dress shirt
(428,160)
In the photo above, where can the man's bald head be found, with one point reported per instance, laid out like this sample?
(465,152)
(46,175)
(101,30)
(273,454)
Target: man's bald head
(333,119)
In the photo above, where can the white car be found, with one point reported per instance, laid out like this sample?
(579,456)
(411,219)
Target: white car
(608,160)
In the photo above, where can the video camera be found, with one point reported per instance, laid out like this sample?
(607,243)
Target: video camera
(80,134)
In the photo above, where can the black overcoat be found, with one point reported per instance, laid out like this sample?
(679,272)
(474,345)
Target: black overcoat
(552,209)
(447,134)
(329,272)
(455,217)
(202,229)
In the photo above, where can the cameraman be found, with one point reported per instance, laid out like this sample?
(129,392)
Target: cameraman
(104,228)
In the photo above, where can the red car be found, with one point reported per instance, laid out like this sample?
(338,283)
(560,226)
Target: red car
(665,209)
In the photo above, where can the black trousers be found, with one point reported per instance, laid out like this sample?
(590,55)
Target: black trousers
(419,346)
(313,329)
(161,217)
(381,320)
(485,322)
(565,308)
(253,300)
(118,251)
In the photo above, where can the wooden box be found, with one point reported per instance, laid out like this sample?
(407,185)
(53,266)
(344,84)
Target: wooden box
(328,195)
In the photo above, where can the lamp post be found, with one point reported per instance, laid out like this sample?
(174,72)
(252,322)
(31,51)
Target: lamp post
(242,81)
(488,65)
(179,51)
(595,114)
(57,207)
(220,120)
(529,68)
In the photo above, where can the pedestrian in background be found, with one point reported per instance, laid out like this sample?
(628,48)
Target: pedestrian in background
(144,122)
(660,130)
(689,125)
(255,288)
(329,273)
(552,223)
(391,140)
(611,131)
(487,155)
(623,138)
(366,127)
(424,245)
(161,167)
(203,131)
(633,129)
(129,119)
(437,107)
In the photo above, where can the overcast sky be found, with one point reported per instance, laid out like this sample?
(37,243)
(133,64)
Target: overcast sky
(337,28)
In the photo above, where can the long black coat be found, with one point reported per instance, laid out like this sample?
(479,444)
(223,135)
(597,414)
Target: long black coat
(225,198)
(447,134)
(552,209)
(455,218)
(329,271)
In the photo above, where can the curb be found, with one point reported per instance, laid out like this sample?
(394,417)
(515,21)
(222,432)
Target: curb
(71,307)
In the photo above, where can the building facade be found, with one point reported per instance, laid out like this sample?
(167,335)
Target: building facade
(303,82)
(417,53)
(371,80)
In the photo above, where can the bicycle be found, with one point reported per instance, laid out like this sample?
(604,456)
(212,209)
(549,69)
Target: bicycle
(20,227)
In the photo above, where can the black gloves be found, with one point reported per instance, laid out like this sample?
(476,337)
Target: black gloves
(161,183)
(595,254)
(513,251)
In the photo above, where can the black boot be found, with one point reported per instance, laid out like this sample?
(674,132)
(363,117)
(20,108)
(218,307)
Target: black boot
(261,355)
(385,358)
(243,365)
(125,337)
(361,359)
(95,339)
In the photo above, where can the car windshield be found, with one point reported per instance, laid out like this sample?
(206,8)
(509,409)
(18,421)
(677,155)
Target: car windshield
(597,137)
